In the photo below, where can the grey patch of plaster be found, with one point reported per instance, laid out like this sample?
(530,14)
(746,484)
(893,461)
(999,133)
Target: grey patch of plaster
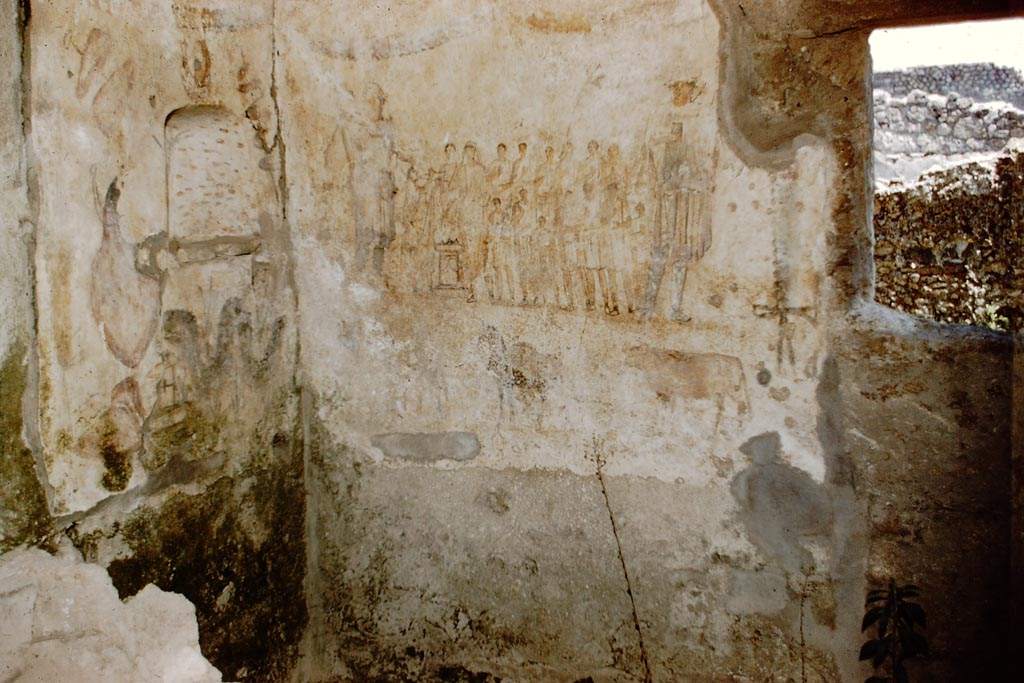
(849,536)
(757,592)
(428,447)
(780,504)
(838,468)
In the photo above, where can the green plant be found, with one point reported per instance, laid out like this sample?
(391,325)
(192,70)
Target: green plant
(896,619)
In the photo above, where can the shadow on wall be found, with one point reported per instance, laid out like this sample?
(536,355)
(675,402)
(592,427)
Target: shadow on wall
(781,506)
(927,411)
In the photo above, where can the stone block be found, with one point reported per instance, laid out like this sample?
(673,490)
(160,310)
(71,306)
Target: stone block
(61,620)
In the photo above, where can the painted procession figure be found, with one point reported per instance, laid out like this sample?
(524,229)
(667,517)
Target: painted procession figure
(611,230)
(682,226)
(371,159)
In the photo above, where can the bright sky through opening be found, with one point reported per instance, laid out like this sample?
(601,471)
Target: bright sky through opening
(1000,42)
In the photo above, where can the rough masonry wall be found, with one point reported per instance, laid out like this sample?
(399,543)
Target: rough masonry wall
(924,123)
(947,175)
(168,412)
(925,414)
(983,81)
(947,247)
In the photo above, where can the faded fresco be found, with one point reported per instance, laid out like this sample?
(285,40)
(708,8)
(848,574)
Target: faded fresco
(543,226)
(461,341)
(535,246)
(545,307)
(165,291)
(500,200)
(553,244)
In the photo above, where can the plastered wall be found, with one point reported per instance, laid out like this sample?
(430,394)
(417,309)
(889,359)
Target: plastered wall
(25,517)
(570,305)
(521,341)
(165,407)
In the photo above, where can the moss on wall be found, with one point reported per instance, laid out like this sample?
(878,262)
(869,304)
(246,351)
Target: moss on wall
(237,551)
(24,516)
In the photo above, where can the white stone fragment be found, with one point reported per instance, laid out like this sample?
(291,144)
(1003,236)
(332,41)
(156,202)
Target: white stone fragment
(61,620)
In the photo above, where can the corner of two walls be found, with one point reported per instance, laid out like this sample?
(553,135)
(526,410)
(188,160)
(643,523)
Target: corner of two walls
(25,518)
(523,464)
(922,410)
(1016,624)
(631,421)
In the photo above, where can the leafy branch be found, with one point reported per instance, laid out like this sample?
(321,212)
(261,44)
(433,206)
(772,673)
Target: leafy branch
(896,620)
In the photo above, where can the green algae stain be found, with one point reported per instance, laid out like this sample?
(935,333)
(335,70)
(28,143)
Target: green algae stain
(237,551)
(24,516)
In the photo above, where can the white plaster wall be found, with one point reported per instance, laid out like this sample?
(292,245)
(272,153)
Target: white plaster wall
(459,418)
(391,351)
(500,476)
(15,287)
(152,123)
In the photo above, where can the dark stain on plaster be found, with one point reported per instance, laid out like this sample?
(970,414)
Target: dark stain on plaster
(521,370)
(460,674)
(190,437)
(762,648)
(237,551)
(549,22)
(838,469)
(117,465)
(25,518)
(351,599)
(410,595)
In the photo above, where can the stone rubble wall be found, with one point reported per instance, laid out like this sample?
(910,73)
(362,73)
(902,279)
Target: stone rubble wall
(949,247)
(946,242)
(924,123)
(981,81)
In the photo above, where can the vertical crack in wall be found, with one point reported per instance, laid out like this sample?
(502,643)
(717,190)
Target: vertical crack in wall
(311,646)
(278,134)
(24,16)
(282,186)
(803,639)
(599,460)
